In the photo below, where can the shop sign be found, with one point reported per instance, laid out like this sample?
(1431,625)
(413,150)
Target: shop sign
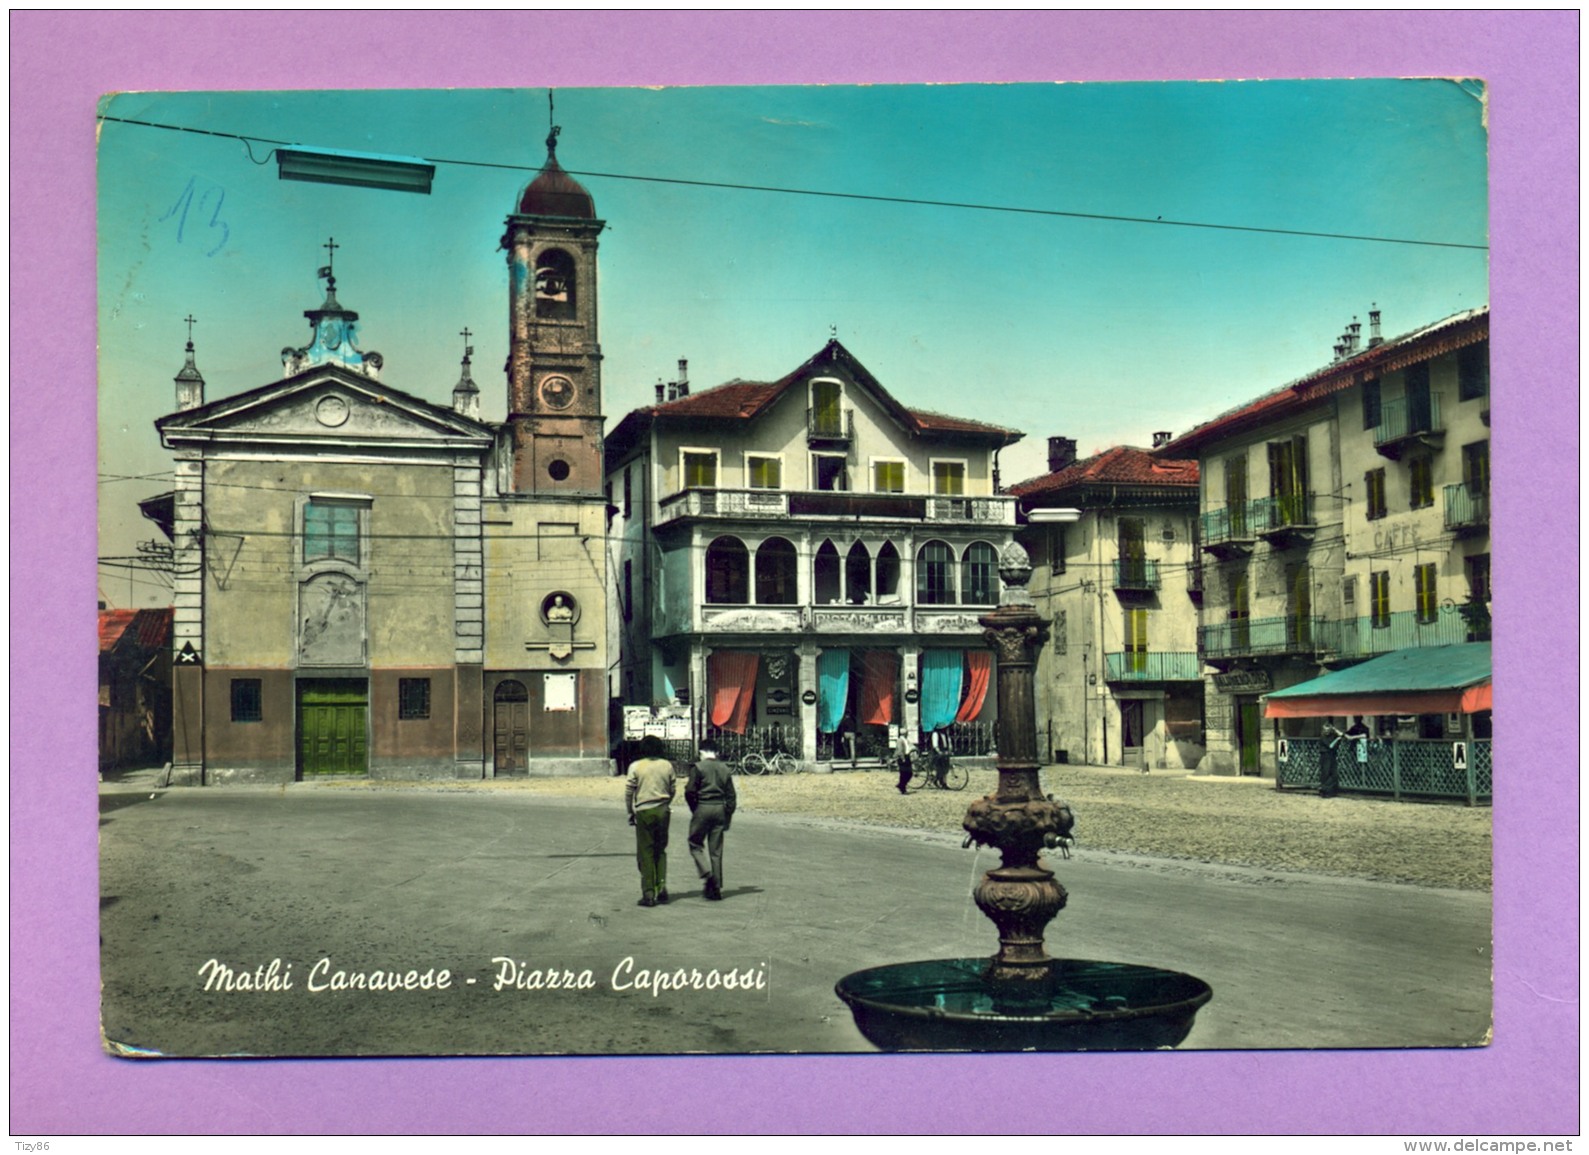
(1243,682)
(809,697)
(911,696)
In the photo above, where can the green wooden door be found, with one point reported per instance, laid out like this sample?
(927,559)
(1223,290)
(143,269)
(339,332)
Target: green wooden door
(1247,734)
(332,726)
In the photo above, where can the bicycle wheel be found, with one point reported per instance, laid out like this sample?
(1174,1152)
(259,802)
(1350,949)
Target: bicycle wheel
(920,775)
(955,778)
(753,763)
(782,763)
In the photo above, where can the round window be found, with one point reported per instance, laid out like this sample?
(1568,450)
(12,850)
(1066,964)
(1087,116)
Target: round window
(558,469)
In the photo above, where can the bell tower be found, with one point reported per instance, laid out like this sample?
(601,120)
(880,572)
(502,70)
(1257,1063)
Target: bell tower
(554,357)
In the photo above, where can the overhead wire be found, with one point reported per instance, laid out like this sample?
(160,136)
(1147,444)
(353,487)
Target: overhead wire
(872,197)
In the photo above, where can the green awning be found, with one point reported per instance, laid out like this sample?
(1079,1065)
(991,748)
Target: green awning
(1420,680)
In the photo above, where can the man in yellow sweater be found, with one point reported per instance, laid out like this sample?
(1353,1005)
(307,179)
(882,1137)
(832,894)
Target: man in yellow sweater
(648,796)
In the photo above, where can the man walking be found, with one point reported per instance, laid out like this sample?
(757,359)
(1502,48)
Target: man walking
(648,796)
(709,791)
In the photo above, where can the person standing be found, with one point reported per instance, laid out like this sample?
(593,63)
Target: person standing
(903,753)
(709,791)
(1329,781)
(1357,741)
(648,796)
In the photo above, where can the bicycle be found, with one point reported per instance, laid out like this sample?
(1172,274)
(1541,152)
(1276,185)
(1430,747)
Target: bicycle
(933,768)
(777,762)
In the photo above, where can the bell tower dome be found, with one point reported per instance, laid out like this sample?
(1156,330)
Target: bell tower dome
(554,355)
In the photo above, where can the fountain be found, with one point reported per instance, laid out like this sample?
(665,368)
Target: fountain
(1021,999)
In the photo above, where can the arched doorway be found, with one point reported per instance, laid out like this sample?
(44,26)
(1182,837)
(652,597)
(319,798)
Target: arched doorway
(511,730)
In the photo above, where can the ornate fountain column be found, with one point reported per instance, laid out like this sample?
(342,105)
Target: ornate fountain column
(1020,895)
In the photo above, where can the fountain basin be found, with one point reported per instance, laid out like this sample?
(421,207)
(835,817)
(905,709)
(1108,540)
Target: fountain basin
(948,1005)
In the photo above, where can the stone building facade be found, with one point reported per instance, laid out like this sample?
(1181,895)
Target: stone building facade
(802,562)
(1343,516)
(1118,580)
(370,583)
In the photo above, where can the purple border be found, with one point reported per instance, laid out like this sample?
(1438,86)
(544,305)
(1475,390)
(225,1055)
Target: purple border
(1526,1082)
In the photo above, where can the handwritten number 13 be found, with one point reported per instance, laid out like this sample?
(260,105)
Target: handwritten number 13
(184,202)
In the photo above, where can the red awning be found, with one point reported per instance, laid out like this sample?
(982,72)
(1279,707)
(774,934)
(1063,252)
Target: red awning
(1468,701)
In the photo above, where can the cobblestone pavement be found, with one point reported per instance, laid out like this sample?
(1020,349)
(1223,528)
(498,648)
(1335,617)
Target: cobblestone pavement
(1237,821)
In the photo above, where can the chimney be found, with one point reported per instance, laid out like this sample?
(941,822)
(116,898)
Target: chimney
(684,377)
(1061,452)
(660,389)
(1373,327)
(673,390)
(1161,438)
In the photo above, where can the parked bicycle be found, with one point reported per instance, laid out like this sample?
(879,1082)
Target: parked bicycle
(777,762)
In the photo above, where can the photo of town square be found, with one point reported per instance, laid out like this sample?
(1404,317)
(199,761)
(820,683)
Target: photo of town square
(627,699)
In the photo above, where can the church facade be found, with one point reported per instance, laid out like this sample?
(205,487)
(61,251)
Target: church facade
(368,583)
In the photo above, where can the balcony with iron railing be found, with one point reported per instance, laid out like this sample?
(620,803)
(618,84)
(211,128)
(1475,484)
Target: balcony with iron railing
(1348,638)
(1405,422)
(1150,666)
(1338,639)
(1286,519)
(1230,531)
(1467,509)
(1261,637)
(833,425)
(1139,575)
(825,504)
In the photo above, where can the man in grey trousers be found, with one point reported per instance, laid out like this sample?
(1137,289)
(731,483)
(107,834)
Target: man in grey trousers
(709,791)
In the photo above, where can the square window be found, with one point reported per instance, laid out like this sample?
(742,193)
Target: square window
(764,472)
(700,469)
(413,699)
(949,478)
(888,477)
(247,700)
(331,530)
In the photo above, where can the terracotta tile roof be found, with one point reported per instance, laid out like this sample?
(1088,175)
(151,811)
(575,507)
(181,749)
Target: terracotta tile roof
(147,629)
(733,400)
(1122,465)
(740,400)
(1430,341)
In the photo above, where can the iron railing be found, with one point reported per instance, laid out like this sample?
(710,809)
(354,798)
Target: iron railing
(1466,508)
(1420,768)
(1230,523)
(1150,666)
(1246,637)
(1403,417)
(781,504)
(1272,514)
(834,424)
(766,739)
(1138,573)
(1364,637)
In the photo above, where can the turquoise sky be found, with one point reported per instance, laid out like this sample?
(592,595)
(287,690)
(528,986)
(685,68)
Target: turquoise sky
(1100,330)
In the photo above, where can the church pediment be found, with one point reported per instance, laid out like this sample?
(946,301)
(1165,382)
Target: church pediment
(326,403)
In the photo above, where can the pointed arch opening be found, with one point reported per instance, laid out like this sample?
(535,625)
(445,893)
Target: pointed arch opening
(825,575)
(858,575)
